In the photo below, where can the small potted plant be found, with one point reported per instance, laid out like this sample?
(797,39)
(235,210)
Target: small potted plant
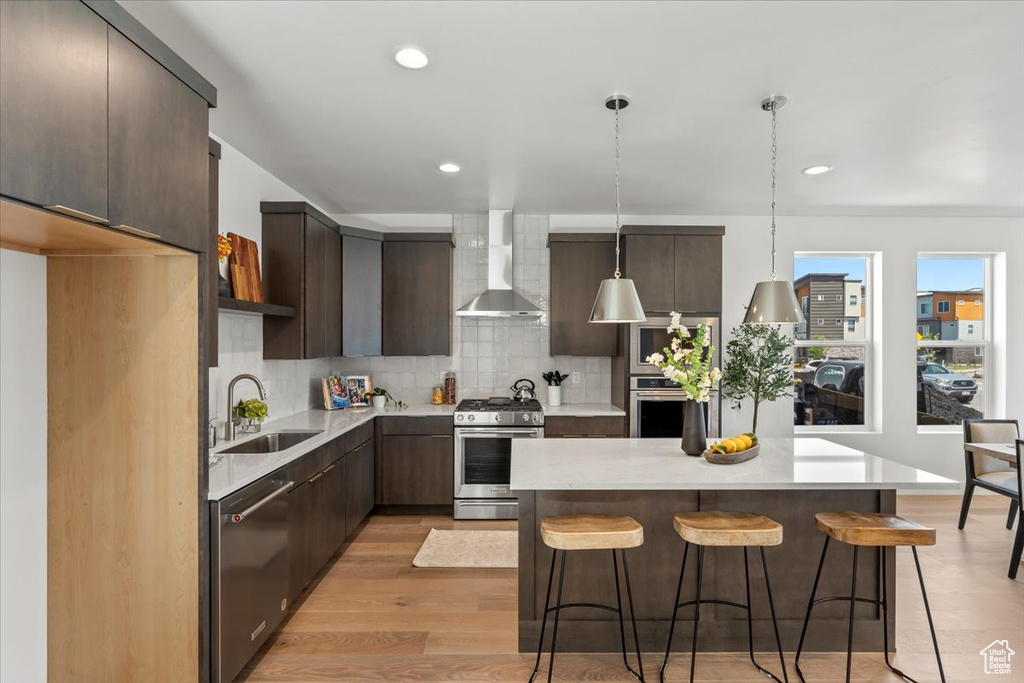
(380,396)
(687,362)
(254,412)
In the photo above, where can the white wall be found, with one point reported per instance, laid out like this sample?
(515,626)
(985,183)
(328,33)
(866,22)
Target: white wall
(292,385)
(22,467)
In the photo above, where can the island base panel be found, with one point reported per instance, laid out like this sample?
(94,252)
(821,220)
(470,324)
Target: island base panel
(654,569)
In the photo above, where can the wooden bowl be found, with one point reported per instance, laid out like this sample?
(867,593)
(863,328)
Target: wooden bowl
(731,458)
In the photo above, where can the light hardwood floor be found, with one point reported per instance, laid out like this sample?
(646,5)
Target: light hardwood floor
(372,616)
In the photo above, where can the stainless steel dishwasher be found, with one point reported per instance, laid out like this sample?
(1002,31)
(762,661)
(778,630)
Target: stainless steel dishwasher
(249,564)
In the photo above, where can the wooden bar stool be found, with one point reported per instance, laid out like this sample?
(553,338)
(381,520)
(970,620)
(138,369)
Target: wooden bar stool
(590,532)
(722,529)
(878,530)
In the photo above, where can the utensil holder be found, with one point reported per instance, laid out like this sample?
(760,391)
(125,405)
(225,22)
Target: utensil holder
(554,396)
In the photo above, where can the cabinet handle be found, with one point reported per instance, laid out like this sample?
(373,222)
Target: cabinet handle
(597,436)
(440,436)
(327,469)
(136,231)
(240,516)
(572,436)
(315,477)
(75,213)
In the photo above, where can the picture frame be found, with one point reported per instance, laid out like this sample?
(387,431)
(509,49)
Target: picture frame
(359,389)
(336,394)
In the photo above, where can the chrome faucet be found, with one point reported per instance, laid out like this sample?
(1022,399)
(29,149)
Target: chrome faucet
(233,418)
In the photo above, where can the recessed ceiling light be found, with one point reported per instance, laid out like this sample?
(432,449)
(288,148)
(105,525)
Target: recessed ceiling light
(411,58)
(450,168)
(816,170)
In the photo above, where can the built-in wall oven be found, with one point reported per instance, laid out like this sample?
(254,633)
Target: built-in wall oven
(656,409)
(655,403)
(484,432)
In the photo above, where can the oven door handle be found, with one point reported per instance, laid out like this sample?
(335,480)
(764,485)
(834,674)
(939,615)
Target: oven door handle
(519,432)
(661,396)
(487,503)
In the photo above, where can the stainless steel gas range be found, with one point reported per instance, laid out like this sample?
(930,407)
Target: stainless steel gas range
(484,430)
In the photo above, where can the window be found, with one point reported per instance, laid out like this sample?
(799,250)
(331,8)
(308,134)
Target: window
(951,361)
(832,363)
(804,303)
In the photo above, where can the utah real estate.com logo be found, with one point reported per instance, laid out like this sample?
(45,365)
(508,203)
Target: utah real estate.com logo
(997,657)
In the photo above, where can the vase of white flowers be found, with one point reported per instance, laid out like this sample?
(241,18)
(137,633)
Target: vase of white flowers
(687,361)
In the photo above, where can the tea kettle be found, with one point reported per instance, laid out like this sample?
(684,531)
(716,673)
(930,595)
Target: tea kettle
(523,393)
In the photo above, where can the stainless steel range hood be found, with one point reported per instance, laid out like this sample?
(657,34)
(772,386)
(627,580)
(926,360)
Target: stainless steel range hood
(499,300)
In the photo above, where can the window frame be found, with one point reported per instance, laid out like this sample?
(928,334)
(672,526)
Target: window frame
(938,304)
(985,345)
(871,377)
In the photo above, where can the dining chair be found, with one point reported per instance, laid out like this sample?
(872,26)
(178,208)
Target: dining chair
(1018,540)
(990,473)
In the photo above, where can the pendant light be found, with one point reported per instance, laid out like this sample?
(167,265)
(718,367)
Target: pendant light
(617,301)
(774,301)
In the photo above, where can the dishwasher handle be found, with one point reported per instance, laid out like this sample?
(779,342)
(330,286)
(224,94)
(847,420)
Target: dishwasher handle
(237,517)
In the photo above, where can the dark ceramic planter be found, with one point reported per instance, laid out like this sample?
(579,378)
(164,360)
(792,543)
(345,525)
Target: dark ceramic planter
(695,436)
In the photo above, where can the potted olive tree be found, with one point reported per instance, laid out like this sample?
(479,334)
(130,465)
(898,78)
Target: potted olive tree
(758,366)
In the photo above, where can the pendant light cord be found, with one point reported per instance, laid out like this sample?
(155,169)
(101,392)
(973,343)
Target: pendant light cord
(618,220)
(774,156)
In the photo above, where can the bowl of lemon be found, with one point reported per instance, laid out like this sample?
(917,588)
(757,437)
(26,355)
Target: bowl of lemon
(731,451)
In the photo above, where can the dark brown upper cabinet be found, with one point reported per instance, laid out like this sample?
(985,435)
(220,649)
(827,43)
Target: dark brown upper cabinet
(159,146)
(417,294)
(212,268)
(301,268)
(675,268)
(361,289)
(578,264)
(53,106)
(100,120)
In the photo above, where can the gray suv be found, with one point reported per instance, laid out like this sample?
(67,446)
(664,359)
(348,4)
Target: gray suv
(960,387)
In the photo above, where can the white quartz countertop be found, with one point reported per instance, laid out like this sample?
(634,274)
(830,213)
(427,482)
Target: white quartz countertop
(230,472)
(659,464)
(583,410)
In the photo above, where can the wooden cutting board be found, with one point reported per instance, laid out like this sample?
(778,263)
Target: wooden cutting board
(244,262)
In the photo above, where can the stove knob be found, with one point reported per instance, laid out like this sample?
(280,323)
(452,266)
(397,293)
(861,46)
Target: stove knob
(471,418)
(526,417)
(460,417)
(538,417)
(497,418)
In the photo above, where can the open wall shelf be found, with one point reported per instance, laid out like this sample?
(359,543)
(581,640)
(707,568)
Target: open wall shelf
(229,304)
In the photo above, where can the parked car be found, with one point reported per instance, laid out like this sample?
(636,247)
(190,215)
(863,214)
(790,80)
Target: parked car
(846,376)
(835,394)
(960,387)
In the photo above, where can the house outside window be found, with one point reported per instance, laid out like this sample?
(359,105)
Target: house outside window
(832,366)
(953,354)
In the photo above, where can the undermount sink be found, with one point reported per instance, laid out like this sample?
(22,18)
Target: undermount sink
(271,443)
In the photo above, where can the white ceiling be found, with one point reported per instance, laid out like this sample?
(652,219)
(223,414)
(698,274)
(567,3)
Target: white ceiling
(918,105)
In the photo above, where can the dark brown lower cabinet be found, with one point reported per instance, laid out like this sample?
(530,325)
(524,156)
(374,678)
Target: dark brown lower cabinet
(583,427)
(418,469)
(316,522)
(359,485)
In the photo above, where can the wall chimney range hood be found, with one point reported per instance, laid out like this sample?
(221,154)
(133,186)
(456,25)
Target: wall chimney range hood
(499,300)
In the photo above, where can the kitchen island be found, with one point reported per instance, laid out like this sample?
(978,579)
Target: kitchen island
(651,479)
